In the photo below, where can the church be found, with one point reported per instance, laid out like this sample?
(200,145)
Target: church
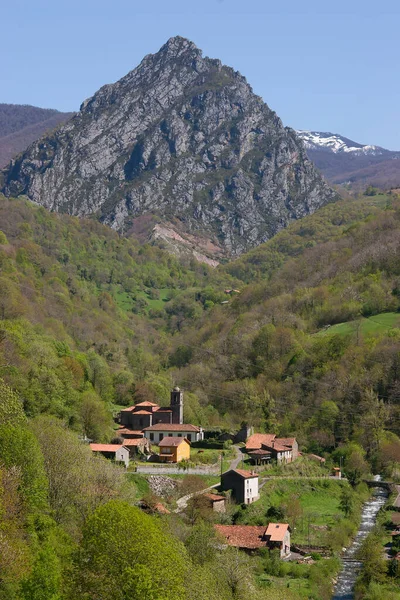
(147,414)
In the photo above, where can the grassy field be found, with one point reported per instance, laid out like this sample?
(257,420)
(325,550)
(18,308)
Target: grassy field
(127,301)
(366,326)
(319,506)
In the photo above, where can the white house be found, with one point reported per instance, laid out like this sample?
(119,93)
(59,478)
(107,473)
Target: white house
(115,452)
(156,433)
(244,485)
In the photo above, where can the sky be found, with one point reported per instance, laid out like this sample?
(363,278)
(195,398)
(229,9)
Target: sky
(321,65)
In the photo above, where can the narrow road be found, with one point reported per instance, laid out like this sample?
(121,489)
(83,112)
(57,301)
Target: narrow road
(235,461)
(397,500)
(182,502)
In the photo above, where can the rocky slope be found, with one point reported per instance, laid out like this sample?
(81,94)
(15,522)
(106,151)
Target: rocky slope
(20,125)
(183,138)
(343,161)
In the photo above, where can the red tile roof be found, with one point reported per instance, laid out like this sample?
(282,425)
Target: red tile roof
(163,410)
(286,441)
(259,452)
(243,536)
(172,427)
(141,412)
(173,441)
(276,447)
(256,440)
(133,442)
(126,431)
(105,447)
(245,474)
(214,497)
(146,403)
(277,531)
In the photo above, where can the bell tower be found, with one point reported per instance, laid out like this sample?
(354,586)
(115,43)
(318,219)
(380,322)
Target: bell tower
(177,405)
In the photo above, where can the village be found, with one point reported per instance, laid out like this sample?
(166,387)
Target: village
(154,441)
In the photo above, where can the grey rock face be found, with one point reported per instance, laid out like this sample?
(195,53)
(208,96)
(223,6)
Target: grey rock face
(180,136)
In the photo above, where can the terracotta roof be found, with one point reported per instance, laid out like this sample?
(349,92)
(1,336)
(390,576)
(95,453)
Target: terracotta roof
(173,441)
(134,442)
(257,439)
(126,431)
(105,447)
(162,409)
(277,531)
(286,441)
(214,497)
(146,403)
(276,447)
(172,427)
(244,474)
(243,536)
(259,452)
(160,508)
(141,412)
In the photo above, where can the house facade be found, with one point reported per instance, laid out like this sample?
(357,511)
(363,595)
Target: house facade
(174,449)
(278,536)
(216,502)
(263,447)
(146,414)
(137,446)
(244,485)
(112,451)
(156,433)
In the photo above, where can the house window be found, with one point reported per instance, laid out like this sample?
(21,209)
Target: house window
(161,436)
(152,437)
(189,437)
(179,435)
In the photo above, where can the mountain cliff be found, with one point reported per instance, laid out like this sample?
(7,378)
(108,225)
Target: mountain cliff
(343,161)
(184,139)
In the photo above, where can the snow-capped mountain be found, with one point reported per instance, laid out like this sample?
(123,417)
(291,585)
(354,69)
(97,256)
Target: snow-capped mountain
(333,142)
(343,161)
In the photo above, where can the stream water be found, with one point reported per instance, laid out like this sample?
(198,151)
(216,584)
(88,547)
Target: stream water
(344,589)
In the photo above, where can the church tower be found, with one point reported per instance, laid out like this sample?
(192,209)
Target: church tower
(177,405)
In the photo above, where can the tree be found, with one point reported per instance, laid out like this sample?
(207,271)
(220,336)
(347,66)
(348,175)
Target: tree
(346,503)
(120,544)
(374,564)
(201,543)
(44,582)
(11,409)
(96,419)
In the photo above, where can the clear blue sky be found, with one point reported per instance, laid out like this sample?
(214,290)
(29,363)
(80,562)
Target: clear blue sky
(320,64)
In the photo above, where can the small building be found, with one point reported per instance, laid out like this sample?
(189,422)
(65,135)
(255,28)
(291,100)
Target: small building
(216,502)
(137,446)
(156,433)
(115,452)
(278,536)
(337,472)
(174,449)
(253,537)
(244,485)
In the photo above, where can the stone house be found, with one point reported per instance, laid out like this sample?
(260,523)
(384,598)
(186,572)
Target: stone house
(116,452)
(174,449)
(216,502)
(244,485)
(278,536)
(253,537)
(156,433)
(137,446)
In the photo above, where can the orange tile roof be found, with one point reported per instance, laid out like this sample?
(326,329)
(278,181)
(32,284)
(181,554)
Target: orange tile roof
(256,440)
(245,474)
(214,497)
(276,447)
(243,536)
(141,412)
(172,427)
(146,403)
(105,447)
(126,431)
(277,531)
(173,441)
(286,441)
(133,442)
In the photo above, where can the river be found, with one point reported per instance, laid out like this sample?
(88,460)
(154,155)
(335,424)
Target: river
(344,588)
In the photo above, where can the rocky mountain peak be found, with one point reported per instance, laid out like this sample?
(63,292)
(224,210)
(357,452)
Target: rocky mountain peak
(182,138)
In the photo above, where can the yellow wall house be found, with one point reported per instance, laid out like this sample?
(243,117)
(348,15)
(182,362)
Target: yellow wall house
(174,449)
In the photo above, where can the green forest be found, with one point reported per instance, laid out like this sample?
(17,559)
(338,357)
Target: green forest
(300,336)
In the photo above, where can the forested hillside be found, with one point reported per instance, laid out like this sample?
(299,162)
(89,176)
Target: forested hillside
(300,336)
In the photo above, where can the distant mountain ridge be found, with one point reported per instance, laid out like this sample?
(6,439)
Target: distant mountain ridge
(183,138)
(343,161)
(22,124)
